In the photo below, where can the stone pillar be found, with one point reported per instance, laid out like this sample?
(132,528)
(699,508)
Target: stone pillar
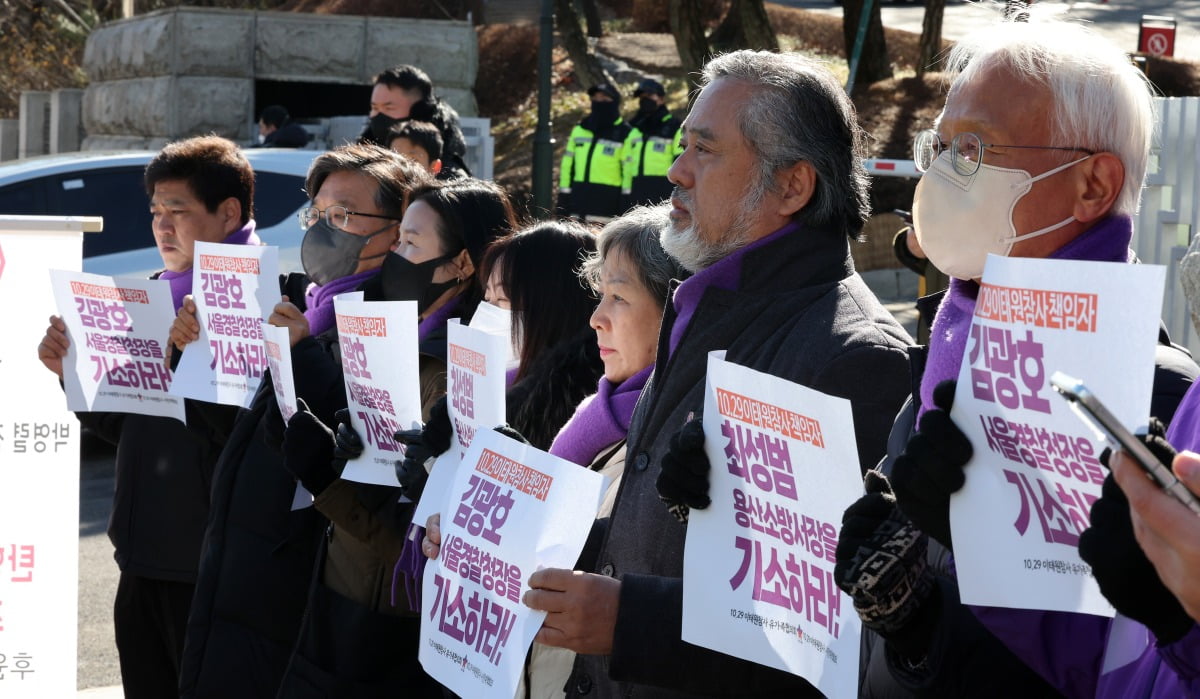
(10,131)
(66,120)
(35,113)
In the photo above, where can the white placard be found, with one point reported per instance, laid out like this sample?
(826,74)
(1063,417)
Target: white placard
(277,346)
(39,471)
(118,329)
(475,363)
(758,564)
(523,510)
(378,340)
(235,288)
(1035,473)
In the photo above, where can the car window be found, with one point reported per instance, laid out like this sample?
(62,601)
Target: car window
(117,194)
(276,197)
(23,198)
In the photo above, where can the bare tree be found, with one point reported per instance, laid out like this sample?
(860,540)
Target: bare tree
(591,14)
(688,30)
(929,59)
(746,26)
(587,67)
(873,63)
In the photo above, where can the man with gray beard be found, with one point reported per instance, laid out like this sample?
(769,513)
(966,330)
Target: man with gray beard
(768,195)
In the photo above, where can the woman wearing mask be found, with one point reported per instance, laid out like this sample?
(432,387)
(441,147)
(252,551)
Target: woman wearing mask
(632,274)
(354,640)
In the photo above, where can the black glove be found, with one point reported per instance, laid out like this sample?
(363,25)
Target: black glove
(1126,577)
(683,481)
(881,560)
(931,468)
(308,450)
(347,444)
(421,447)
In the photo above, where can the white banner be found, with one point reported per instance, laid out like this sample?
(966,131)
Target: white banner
(118,329)
(39,472)
(758,563)
(235,288)
(475,382)
(513,510)
(1035,471)
(277,346)
(380,366)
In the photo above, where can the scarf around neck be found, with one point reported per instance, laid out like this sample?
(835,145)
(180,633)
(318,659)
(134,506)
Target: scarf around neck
(318,300)
(600,421)
(181,282)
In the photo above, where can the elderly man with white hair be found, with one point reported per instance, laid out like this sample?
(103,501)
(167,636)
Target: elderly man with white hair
(1040,152)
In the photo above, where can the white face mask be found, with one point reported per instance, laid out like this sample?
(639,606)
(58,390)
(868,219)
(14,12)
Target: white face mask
(497,321)
(262,139)
(959,219)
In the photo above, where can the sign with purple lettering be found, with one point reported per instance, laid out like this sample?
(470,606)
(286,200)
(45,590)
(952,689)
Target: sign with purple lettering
(235,288)
(475,385)
(378,340)
(1035,471)
(758,564)
(118,329)
(511,510)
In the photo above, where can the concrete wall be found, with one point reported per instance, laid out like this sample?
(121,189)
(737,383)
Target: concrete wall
(186,71)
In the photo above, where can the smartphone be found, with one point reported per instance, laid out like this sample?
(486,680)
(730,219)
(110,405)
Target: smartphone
(1089,409)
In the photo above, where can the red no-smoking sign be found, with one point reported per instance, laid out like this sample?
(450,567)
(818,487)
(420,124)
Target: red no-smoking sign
(1158,41)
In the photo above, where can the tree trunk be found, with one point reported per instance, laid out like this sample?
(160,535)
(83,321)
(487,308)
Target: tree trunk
(591,15)
(588,70)
(745,26)
(929,59)
(873,63)
(689,34)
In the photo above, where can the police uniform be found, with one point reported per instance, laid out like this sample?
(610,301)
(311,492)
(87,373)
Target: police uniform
(652,147)
(593,167)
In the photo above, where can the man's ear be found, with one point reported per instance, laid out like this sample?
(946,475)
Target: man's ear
(230,211)
(1099,183)
(796,187)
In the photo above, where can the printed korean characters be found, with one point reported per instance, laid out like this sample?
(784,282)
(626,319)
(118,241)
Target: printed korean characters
(235,288)
(378,342)
(118,330)
(512,510)
(475,384)
(758,564)
(1035,471)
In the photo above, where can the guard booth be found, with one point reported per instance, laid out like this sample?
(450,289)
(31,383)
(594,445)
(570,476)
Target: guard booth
(1156,35)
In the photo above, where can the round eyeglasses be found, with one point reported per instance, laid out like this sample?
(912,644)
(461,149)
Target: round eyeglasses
(337,216)
(966,151)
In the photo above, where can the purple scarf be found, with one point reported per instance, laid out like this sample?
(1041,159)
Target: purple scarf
(600,420)
(726,274)
(437,319)
(181,282)
(1107,241)
(318,300)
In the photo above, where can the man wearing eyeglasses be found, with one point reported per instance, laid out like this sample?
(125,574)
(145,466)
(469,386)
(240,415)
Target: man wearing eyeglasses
(1040,152)
(259,552)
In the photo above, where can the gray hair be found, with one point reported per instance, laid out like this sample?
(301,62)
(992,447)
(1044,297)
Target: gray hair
(636,236)
(798,113)
(1101,101)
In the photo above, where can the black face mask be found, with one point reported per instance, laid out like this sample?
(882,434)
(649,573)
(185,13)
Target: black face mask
(406,281)
(381,124)
(606,112)
(646,105)
(328,254)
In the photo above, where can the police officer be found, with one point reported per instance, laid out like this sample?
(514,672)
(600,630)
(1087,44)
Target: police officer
(652,146)
(592,175)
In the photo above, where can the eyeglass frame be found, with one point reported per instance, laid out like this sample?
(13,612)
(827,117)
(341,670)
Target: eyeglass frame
(941,147)
(302,216)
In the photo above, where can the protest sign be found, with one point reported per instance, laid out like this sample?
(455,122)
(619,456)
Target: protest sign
(514,509)
(475,382)
(118,330)
(235,288)
(277,346)
(380,366)
(758,563)
(39,469)
(1035,471)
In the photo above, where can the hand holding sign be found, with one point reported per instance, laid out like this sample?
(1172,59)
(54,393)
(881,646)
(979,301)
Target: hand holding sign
(287,315)
(308,450)
(186,329)
(581,609)
(54,345)
(683,481)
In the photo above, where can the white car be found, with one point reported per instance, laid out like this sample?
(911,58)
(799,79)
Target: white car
(109,184)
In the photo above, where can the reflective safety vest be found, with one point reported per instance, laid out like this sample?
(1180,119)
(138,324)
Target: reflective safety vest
(650,155)
(593,167)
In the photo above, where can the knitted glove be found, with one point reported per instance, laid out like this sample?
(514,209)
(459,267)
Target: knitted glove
(347,445)
(1125,575)
(931,468)
(421,448)
(683,481)
(308,450)
(881,560)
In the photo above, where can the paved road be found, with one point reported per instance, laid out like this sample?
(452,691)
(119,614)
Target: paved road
(1116,19)
(97,572)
